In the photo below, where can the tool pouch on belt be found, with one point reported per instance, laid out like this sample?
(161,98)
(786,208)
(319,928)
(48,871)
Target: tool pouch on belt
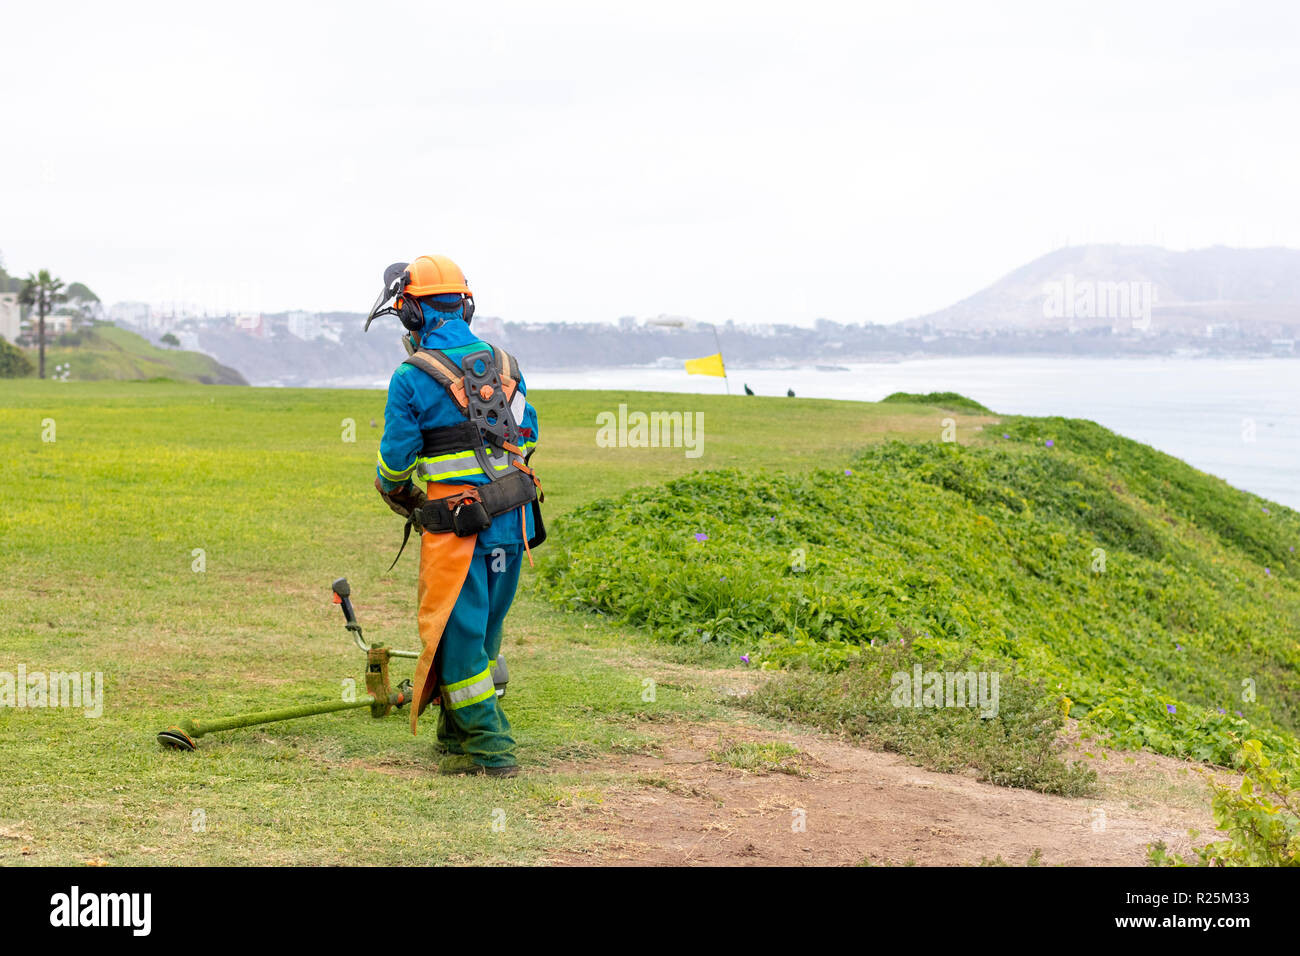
(469,517)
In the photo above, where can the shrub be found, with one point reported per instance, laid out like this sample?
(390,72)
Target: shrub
(13,362)
(1261,818)
(949,400)
(1076,562)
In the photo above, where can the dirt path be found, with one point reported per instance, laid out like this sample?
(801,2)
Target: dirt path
(847,805)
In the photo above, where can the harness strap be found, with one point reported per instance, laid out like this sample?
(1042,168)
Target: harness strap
(444,371)
(450,438)
(452,377)
(462,436)
(406,536)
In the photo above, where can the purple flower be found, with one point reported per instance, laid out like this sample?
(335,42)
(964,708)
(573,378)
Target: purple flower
(1005,435)
(744,658)
(1171,708)
(701,537)
(848,471)
(1222,711)
(1178,646)
(1049,443)
(1266,511)
(1267,571)
(1238,713)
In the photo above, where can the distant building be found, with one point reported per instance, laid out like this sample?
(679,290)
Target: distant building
(1283,346)
(10,316)
(305,325)
(491,327)
(132,313)
(252,324)
(57,324)
(161,321)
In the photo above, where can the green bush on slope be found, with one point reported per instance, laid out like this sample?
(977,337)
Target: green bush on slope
(1261,817)
(951,400)
(1131,585)
(108,352)
(13,362)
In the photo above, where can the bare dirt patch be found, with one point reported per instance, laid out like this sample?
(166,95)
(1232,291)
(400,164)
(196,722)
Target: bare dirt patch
(685,807)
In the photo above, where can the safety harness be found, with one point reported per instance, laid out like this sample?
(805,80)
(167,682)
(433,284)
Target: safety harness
(485,387)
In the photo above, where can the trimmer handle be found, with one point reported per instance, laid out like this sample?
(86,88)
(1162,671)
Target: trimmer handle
(343,598)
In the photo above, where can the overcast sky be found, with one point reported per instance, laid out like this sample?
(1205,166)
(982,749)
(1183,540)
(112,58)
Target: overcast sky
(758,162)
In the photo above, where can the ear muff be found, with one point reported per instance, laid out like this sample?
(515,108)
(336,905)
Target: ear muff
(408,310)
(468,303)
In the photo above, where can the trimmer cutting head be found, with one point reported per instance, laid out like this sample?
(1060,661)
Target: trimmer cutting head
(176,738)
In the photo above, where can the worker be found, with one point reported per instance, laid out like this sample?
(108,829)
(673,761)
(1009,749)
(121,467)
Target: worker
(457,421)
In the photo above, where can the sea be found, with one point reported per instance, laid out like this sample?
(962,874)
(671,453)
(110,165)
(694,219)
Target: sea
(1235,418)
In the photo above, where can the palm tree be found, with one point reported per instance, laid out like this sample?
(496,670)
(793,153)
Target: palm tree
(43,292)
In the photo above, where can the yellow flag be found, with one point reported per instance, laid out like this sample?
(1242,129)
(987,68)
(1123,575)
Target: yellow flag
(709,365)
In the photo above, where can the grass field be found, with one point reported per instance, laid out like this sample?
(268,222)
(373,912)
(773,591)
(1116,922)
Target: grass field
(102,529)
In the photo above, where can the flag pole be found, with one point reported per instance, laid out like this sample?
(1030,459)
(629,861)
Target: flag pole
(679,324)
(718,342)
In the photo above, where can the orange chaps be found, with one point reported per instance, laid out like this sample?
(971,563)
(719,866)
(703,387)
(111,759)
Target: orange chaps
(444,562)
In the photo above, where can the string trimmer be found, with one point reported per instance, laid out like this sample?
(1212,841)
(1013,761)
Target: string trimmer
(380,696)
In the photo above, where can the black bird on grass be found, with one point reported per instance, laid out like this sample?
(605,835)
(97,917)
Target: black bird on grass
(789,393)
(748,390)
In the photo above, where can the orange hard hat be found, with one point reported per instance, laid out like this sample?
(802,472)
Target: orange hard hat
(436,275)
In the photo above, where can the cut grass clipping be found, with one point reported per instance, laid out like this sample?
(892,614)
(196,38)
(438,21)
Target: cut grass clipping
(1018,746)
(1152,601)
(754,757)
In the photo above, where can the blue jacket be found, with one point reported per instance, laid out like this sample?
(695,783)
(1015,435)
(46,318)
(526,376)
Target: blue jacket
(416,402)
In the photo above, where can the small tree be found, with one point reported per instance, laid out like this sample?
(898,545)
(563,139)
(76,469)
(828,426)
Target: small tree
(171,340)
(84,305)
(42,292)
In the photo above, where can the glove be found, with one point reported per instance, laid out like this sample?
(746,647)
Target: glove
(404,500)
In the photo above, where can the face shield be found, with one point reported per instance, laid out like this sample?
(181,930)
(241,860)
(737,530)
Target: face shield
(395,279)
